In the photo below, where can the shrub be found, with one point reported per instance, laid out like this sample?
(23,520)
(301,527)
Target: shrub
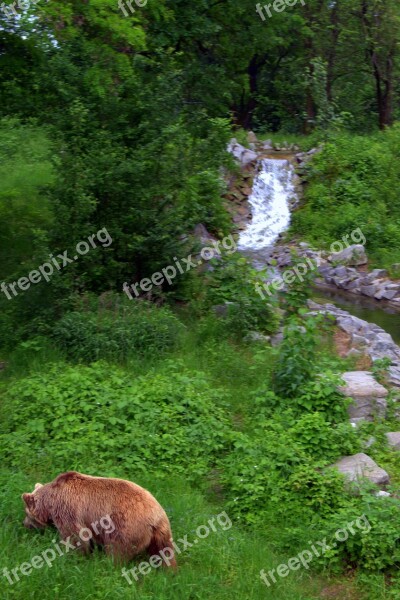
(87,417)
(144,329)
(276,466)
(353,173)
(233,282)
(375,545)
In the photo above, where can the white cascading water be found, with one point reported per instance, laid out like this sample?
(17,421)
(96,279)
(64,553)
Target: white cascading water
(273,189)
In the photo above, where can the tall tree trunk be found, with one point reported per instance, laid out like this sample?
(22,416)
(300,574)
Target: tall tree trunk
(334,19)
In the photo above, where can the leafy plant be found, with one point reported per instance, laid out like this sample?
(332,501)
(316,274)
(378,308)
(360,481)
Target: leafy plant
(141,330)
(232,282)
(99,417)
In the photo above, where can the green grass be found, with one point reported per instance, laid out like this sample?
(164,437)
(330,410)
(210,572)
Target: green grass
(224,565)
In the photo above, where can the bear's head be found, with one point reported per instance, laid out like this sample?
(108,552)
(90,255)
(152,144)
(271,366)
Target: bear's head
(36,517)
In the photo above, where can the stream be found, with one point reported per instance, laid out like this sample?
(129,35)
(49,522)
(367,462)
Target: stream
(271,199)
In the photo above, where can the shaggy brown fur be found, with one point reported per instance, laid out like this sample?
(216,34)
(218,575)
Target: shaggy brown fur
(122,516)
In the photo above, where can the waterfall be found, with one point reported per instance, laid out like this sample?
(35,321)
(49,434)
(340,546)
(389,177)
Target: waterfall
(273,191)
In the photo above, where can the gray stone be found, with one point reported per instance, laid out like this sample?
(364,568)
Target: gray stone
(255,336)
(359,340)
(390,294)
(393,439)
(251,137)
(351,284)
(222,310)
(369,290)
(377,274)
(361,465)
(394,375)
(242,154)
(368,396)
(350,324)
(352,256)
(277,339)
(369,442)
(340,271)
(354,352)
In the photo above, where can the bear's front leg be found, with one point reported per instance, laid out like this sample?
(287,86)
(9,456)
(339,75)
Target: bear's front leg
(76,538)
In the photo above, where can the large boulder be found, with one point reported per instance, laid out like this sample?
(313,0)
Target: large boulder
(352,256)
(361,465)
(368,396)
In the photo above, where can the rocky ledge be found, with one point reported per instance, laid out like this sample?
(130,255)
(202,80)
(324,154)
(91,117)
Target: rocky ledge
(367,339)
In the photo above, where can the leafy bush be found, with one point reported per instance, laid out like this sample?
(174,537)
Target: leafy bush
(144,329)
(375,545)
(233,282)
(98,417)
(279,464)
(351,174)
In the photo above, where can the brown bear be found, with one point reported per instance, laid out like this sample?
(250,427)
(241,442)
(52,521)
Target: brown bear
(119,515)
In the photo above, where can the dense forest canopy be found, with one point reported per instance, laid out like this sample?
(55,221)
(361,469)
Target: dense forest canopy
(128,113)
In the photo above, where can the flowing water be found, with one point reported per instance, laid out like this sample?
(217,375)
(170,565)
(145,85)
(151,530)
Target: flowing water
(270,200)
(272,196)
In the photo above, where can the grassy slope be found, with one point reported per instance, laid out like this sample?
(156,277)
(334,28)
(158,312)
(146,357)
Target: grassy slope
(224,565)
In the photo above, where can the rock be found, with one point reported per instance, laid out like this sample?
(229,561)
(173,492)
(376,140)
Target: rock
(277,339)
(255,336)
(369,442)
(352,256)
(201,233)
(350,324)
(368,396)
(390,294)
(251,137)
(355,353)
(242,154)
(383,493)
(222,310)
(394,375)
(361,465)
(248,157)
(351,284)
(340,272)
(376,274)
(393,439)
(359,340)
(369,290)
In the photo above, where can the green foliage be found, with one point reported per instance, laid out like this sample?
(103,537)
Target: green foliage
(351,174)
(142,329)
(232,282)
(98,417)
(298,292)
(297,355)
(375,543)
(280,465)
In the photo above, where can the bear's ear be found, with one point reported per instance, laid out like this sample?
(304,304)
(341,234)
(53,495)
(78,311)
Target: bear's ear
(38,485)
(29,500)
